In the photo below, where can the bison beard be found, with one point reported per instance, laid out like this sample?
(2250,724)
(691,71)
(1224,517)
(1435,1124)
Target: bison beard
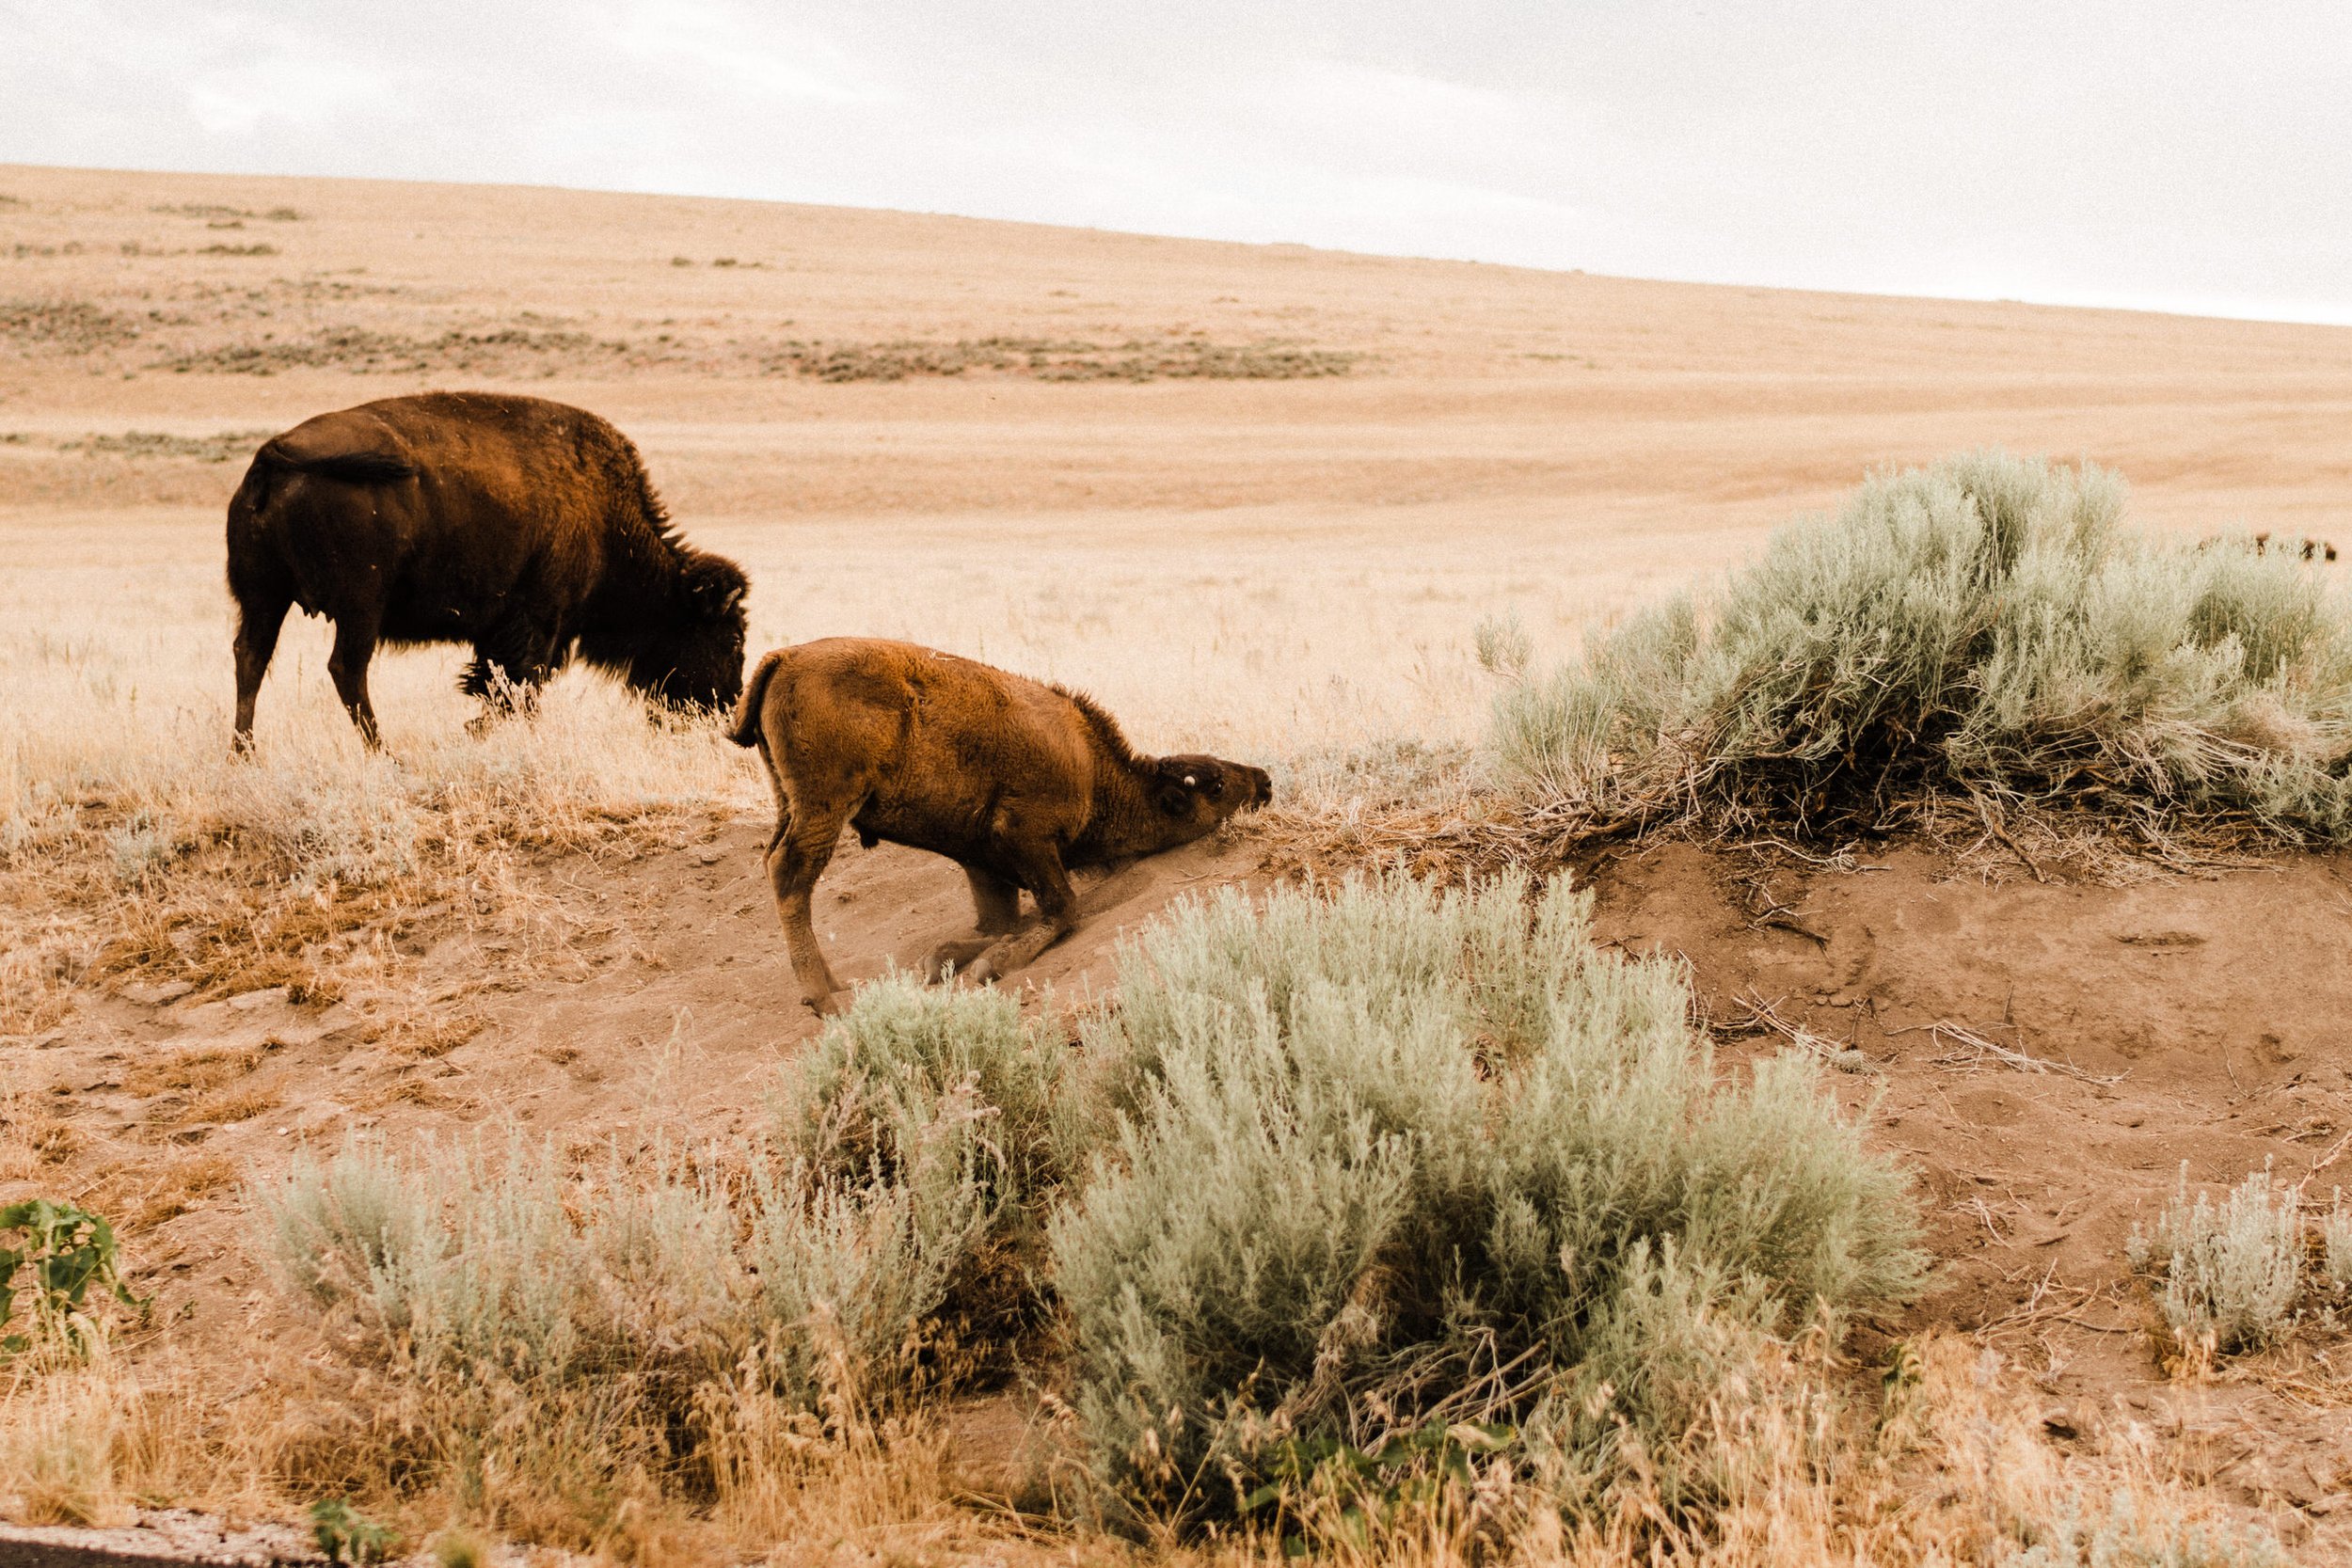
(525,527)
(1020,781)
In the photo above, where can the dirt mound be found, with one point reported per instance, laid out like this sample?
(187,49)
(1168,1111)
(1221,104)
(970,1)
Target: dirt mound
(648,994)
(2049,1057)
(2046,1055)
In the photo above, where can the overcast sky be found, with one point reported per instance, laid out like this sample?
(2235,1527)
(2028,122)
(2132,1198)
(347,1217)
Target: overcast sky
(2145,152)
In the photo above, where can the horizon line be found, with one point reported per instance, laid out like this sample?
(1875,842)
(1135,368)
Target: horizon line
(2191,308)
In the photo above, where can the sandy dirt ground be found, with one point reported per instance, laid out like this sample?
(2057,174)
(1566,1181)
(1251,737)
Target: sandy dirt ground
(2178,1028)
(1256,497)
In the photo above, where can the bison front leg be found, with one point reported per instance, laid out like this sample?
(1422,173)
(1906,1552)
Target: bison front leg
(1040,870)
(509,667)
(996,905)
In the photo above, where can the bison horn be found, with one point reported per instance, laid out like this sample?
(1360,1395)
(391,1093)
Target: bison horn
(1190,781)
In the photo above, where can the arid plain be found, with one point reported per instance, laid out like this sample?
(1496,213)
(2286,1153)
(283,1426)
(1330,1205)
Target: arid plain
(1255,498)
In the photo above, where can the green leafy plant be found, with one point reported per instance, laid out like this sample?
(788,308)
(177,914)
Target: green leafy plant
(67,1250)
(1342,1495)
(346,1535)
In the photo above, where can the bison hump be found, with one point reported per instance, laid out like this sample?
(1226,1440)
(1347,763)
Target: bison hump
(336,446)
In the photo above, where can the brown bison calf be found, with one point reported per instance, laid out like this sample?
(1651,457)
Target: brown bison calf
(523,526)
(1021,782)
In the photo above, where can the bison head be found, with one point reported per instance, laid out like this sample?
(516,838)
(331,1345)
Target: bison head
(1196,794)
(691,656)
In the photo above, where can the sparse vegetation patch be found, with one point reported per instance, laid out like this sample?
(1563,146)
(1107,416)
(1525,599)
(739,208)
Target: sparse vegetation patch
(214,213)
(1056,359)
(499,351)
(218,448)
(69,327)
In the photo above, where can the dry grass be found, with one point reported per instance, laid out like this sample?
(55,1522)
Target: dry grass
(1948,1463)
(194,1070)
(182,1185)
(92,1442)
(136,847)
(228,1105)
(33,1135)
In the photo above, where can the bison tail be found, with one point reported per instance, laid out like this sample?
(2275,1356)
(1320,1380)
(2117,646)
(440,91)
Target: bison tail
(252,496)
(745,730)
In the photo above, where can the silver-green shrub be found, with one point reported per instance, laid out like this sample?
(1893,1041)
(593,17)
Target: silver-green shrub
(2336,1245)
(1985,626)
(2229,1269)
(851,1273)
(1373,1146)
(877,1080)
(2133,1534)
(541,1328)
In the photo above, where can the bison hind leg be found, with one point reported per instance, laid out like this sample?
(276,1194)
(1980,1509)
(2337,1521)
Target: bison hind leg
(260,614)
(797,856)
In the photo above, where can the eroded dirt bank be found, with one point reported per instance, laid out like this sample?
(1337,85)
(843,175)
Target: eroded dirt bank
(2045,1056)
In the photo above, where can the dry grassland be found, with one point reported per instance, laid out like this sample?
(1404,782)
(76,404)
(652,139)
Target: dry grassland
(1256,498)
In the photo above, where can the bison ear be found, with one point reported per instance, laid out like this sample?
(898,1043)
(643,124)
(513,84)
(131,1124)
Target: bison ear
(1174,799)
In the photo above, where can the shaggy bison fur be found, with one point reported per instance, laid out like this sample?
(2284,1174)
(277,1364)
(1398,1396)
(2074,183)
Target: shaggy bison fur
(1021,782)
(525,527)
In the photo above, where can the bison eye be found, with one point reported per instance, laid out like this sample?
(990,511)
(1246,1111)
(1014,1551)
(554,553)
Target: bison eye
(1214,788)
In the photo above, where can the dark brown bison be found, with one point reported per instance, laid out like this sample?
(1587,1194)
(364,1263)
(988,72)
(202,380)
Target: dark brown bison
(1021,782)
(526,527)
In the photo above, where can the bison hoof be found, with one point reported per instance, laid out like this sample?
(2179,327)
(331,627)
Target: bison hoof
(831,1005)
(957,956)
(989,966)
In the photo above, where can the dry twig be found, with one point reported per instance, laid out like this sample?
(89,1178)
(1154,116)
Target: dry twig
(1981,1048)
(1766,1018)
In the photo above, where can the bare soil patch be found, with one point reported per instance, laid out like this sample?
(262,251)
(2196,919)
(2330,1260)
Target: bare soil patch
(2180,1022)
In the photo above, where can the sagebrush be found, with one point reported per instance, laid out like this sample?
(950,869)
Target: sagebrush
(1393,1157)
(564,1347)
(2230,1271)
(1984,629)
